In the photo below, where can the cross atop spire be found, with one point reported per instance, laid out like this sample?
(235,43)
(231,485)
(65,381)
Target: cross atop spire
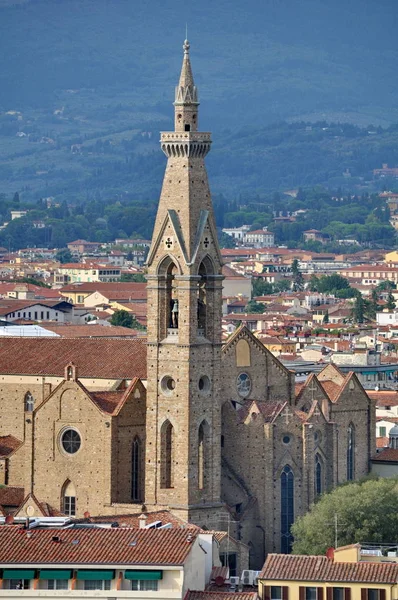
(186,92)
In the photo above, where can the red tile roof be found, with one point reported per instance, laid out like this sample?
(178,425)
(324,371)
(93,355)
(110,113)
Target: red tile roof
(320,568)
(221,595)
(88,331)
(94,358)
(331,388)
(267,409)
(388,455)
(382,442)
(132,520)
(96,546)
(104,287)
(8,444)
(11,496)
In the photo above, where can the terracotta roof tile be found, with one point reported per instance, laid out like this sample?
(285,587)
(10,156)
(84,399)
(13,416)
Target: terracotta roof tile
(221,596)
(320,568)
(89,331)
(107,401)
(11,496)
(97,546)
(8,444)
(132,520)
(382,442)
(269,410)
(331,388)
(386,455)
(95,357)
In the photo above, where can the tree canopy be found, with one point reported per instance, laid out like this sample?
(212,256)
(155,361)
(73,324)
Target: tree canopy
(122,318)
(366,511)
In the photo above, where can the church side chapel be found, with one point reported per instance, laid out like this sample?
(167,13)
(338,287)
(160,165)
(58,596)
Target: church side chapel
(220,435)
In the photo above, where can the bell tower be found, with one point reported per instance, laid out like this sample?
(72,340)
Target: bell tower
(183,443)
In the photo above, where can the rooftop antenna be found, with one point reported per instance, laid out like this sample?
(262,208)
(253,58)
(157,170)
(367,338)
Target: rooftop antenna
(186,31)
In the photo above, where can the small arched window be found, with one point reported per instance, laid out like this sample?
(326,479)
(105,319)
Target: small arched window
(287,508)
(350,452)
(318,476)
(136,470)
(68,500)
(29,402)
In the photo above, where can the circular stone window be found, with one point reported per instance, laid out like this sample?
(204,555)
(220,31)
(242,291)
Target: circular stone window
(243,385)
(70,441)
(167,384)
(286,439)
(204,384)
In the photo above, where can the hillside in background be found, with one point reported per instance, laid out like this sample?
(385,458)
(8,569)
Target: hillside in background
(86,85)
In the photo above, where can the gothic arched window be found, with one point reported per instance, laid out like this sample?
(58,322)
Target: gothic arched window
(136,470)
(167,455)
(202,450)
(206,270)
(318,476)
(29,402)
(68,499)
(287,508)
(350,452)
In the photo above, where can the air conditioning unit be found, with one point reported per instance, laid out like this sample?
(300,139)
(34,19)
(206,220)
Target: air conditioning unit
(234,581)
(247,577)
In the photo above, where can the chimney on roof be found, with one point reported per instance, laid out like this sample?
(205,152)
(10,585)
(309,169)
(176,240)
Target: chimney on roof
(142,519)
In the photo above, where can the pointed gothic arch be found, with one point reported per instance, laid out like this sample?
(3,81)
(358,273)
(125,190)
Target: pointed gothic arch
(167,443)
(205,271)
(203,449)
(287,508)
(319,475)
(167,271)
(29,402)
(68,498)
(350,452)
(136,452)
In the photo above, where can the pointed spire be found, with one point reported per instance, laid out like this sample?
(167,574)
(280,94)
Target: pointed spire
(186,92)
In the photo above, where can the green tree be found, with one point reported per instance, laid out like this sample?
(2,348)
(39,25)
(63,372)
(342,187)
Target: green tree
(261,287)
(255,307)
(138,277)
(64,256)
(326,317)
(283,285)
(390,301)
(298,279)
(122,318)
(366,511)
(358,312)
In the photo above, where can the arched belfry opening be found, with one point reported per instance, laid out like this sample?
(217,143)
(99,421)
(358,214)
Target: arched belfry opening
(205,291)
(168,297)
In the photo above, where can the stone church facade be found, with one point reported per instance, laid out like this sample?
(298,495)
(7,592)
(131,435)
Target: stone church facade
(218,434)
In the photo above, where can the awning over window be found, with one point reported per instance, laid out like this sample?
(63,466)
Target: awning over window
(55,574)
(95,574)
(19,573)
(143,575)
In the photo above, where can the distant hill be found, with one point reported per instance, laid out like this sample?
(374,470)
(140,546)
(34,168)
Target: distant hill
(86,85)
(254,61)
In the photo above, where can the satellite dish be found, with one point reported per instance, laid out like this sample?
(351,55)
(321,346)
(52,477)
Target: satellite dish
(9,520)
(86,515)
(219,581)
